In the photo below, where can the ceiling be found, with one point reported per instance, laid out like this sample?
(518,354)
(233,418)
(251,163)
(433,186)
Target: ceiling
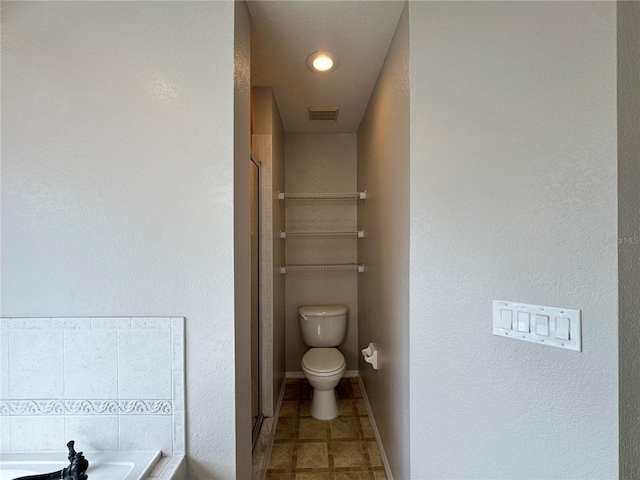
(285,33)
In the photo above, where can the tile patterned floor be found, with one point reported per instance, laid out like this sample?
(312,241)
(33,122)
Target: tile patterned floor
(308,449)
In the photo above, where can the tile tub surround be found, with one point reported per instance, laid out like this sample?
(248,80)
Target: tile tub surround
(306,448)
(108,383)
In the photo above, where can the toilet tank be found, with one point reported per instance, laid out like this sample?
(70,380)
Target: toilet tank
(323,325)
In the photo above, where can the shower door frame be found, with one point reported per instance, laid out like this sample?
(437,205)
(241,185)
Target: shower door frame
(256,375)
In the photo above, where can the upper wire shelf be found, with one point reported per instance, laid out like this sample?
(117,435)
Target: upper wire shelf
(320,267)
(322,196)
(357,233)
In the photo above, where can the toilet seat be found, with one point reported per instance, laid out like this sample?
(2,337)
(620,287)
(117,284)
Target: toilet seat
(323,361)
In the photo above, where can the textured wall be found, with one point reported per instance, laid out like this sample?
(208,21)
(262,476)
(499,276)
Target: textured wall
(513,196)
(383,291)
(117,182)
(629,234)
(320,163)
(242,237)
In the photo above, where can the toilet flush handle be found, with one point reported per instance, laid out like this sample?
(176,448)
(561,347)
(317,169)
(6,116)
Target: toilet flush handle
(304,317)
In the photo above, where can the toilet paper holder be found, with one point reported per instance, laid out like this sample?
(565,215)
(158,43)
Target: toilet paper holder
(370,355)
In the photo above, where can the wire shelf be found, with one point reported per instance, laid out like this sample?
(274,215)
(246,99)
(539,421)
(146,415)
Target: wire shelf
(321,267)
(323,196)
(355,233)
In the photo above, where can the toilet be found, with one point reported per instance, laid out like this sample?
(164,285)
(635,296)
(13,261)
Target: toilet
(323,328)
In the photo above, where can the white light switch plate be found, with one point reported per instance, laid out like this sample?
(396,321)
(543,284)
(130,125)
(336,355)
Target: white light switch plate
(552,326)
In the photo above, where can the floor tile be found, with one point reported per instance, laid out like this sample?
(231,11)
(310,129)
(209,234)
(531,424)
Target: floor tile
(372,450)
(348,454)
(346,427)
(279,476)
(361,475)
(360,407)
(305,448)
(312,455)
(289,408)
(287,428)
(345,407)
(281,456)
(310,428)
(367,429)
(313,476)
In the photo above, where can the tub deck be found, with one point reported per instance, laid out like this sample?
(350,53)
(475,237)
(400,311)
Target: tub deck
(102,465)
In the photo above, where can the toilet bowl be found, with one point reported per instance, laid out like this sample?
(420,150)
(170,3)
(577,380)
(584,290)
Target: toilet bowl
(323,328)
(324,367)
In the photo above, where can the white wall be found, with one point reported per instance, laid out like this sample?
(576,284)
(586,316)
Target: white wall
(513,196)
(320,163)
(629,234)
(242,237)
(383,290)
(117,182)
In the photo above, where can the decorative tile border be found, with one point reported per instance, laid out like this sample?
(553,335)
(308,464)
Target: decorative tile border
(165,413)
(85,407)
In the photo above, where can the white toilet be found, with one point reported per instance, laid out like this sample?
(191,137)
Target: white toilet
(323,328)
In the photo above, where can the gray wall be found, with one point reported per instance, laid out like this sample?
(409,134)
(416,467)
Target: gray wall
(629,234)
(513,196)
(320,163)
(117,182)
(383,290)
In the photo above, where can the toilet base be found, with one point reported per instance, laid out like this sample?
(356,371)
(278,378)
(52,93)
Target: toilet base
(324,405)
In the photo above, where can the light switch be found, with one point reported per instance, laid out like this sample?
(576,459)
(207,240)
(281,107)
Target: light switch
(523,321)
(562,328)
(506,319)
(542,325)
(559,327)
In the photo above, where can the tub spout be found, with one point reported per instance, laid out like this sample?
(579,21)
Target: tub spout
(76,470)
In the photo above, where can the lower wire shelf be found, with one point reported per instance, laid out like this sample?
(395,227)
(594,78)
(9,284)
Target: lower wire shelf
(320,267)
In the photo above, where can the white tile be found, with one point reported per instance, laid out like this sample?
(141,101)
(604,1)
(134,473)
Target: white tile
(146,432)
(93,432)
(177,348)
(4,364)
(37,434)
(75,323)
(178,391)
(144,364)
(90,364)
(178,433)
(111,323)
(5,434)
(175,469)
(159,467)
(177,324)
(154,323)
(35,364)
(30,324)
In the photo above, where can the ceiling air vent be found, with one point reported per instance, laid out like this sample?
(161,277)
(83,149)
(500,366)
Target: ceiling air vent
(323,113)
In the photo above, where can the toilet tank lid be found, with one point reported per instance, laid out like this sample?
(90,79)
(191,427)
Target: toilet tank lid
(322,310)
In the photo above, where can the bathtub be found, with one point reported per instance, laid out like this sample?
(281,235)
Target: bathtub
(102,465)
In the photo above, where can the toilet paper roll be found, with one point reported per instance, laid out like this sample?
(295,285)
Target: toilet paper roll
(370,355)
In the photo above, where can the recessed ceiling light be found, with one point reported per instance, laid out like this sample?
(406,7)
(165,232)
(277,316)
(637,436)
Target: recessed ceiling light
(322,62)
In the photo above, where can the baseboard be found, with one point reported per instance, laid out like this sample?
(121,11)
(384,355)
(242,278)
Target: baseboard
(376,433)
(347,374)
